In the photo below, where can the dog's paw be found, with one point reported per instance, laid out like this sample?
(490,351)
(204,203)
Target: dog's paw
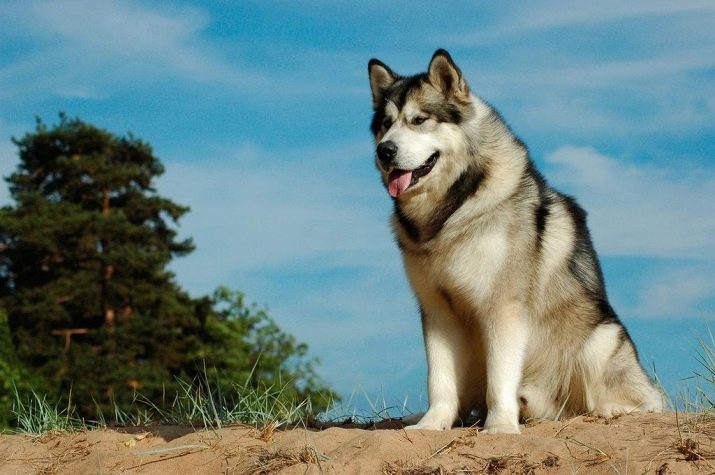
(426,426)
(502,422)
(613,410)
(435,419)
(413,419)
(502,429)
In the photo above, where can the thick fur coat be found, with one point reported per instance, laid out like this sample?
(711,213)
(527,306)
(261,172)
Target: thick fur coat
(515,316)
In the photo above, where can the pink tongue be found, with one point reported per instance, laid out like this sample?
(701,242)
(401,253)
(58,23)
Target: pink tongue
(398,181)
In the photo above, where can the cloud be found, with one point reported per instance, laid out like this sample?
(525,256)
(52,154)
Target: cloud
(341,317)
(618,68)
(271,209)
(681,291)
(94,49)
(544,16)
(632,74)
(639,209)
(76,48)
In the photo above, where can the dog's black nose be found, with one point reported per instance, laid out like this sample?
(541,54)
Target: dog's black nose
(386,151)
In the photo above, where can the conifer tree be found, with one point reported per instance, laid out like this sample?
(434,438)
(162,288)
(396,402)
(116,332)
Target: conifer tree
(93,310)
(83,263)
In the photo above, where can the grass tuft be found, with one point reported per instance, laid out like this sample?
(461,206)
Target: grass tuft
(706,376)
(205,403)
(698,396)
(199,402)
(36,416)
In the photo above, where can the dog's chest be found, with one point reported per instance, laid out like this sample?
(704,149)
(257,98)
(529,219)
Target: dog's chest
(465,262)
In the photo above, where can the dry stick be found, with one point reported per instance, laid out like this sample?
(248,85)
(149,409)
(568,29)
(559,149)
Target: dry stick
(160,460)
(683,444)
(404,432)
(647,467)
(150,452)
(603,456)
(444,447)
(563,427)
(677,424)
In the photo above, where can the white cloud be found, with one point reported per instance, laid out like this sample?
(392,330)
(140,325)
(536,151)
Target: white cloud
(90,49)
(260,209)
(616,67)
(373,310)
(640,210)
(543,16)
(631,74)
(79,48)
(678,292)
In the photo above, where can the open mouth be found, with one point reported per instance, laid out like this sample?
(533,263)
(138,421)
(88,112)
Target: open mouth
(400,180)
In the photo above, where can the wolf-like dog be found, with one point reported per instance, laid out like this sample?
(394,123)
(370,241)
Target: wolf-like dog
(515,317)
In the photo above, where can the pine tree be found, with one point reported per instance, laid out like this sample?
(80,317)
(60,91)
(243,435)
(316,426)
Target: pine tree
(83,263)
(93,310)
(14,377)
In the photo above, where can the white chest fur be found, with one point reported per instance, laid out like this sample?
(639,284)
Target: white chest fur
(462,260)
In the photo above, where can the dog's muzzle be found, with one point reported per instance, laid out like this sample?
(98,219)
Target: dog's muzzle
(400,180)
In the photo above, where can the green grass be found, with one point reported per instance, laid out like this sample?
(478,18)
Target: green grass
(210,405)
(207,404)
(36,416)
(197,403)
(700,395)
(706,374)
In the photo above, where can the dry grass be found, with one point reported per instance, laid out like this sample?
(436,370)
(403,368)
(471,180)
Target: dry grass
(493,465)
(273,461)
(403,467)
(268,431)
(589,455)
(631,444)
(696,439)
(57,456)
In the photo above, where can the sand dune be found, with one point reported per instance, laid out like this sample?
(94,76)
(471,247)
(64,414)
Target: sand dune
(634,444)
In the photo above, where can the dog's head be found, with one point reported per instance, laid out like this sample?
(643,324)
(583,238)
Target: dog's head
(417,120)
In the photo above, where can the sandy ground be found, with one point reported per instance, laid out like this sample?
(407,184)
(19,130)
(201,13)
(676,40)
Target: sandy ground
(633,444)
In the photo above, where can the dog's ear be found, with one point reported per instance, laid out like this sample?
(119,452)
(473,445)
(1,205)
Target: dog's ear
(381,77)
(446,76)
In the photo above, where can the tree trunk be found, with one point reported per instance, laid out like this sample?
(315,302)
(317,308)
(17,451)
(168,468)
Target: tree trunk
(108,270)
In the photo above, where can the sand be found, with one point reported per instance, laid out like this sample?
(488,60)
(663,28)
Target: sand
(633,444)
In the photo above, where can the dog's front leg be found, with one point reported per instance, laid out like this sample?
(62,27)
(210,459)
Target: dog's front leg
(447,360)
(505,335)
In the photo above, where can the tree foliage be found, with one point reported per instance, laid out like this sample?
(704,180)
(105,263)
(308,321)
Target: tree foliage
(242,343)
(91,305)
(14,376)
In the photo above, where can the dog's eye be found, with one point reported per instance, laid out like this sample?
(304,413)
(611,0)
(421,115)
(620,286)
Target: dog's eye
(386,122)
(419,120)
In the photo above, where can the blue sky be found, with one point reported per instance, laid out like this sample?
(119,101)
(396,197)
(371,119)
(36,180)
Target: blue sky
(260,112)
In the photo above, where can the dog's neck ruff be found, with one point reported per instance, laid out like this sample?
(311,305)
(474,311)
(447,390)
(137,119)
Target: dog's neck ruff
(466,186)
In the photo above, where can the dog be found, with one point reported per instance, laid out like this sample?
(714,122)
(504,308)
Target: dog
(515,317)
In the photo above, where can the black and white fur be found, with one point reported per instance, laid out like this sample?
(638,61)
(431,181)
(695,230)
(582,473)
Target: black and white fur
(515,316)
